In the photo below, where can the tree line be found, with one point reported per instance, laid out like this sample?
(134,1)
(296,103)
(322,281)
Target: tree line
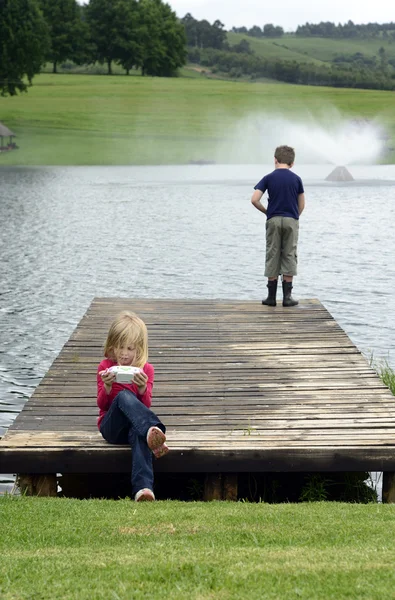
(349,30)
(239,60)
(267,31)
(354,73)
(327,29)
(141,34)
(201,34)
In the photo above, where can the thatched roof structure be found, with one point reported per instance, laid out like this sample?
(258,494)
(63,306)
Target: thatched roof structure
(5,132)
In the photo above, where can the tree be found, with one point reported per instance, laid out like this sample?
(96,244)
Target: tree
(23,44)
(104,18)
(255,31)
(84,49)
(65,26)
(191,29)
(163,39)
(129,28)
(269,30)
(201,34)
(243,47)
(383,64)
(218,34)
(240,30)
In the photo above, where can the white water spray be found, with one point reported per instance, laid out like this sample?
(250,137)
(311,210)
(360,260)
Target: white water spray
(331,139)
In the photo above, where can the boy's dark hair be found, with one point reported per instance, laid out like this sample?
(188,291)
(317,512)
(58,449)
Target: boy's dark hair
(285,155)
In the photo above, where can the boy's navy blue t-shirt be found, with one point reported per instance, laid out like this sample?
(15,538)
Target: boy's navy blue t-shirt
(283,188)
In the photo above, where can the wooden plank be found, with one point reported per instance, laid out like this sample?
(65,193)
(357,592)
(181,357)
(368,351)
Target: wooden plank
(183,439)
(205,410)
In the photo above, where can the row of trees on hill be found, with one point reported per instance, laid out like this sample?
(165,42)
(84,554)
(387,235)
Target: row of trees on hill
(357,74)
(209,47)
(201,34)
(144,34)
(324,29)
(348,30)
(267,31)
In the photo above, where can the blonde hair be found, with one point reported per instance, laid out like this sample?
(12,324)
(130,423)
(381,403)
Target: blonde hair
(128,329)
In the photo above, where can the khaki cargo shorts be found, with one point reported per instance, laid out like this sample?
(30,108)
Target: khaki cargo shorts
(281,246)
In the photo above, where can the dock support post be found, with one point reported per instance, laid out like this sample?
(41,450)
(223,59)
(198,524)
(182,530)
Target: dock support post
(389,487)
(38,485)
(220,486)
(230,487)
(213,487)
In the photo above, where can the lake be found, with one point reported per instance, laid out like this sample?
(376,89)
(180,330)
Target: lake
(72,233)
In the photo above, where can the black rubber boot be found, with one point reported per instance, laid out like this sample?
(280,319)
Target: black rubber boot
(287,291)
(271,297)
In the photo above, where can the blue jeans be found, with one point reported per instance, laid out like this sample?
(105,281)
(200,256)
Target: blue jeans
(127,422)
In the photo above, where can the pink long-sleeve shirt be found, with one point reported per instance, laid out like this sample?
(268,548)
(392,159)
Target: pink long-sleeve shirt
(104,400)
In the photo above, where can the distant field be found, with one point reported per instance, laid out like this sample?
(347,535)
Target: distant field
(119,120)
(312,49)
(272,48)
(326,49)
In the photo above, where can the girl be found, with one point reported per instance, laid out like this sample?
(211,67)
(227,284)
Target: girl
(125,416)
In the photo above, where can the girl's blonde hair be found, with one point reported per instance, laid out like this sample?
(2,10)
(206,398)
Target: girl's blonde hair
(128,329)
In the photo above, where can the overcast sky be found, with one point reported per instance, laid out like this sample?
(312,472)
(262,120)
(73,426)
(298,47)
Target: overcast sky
(286,13)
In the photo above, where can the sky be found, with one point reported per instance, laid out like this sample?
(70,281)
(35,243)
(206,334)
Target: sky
(288,14)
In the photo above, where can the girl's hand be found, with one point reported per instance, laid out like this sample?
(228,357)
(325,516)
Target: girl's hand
(107,378)
(140,379)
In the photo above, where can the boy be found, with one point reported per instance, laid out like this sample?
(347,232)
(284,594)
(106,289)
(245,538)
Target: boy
(285,205)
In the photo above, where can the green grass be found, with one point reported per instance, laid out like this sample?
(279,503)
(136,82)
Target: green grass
(326,49)
(99,549)
(119,120)
(387,374)
(312,49)
(273,48)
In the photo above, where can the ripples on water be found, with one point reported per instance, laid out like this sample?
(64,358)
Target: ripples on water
(70,234)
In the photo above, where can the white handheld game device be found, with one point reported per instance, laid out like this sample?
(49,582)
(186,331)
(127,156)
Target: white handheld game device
(124,374)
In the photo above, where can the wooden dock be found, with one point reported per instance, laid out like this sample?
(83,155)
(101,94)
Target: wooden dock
(241,388)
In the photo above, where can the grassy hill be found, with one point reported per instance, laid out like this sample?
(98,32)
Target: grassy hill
(119,120)
(272,48)
(312,49)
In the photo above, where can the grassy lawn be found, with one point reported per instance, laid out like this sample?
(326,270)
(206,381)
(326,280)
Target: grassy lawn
(99,549)
(119,120)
